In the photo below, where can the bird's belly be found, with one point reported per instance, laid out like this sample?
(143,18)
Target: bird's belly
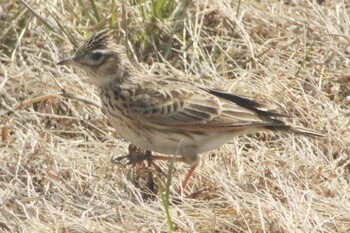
(167,142)
(177,143)
(149,139)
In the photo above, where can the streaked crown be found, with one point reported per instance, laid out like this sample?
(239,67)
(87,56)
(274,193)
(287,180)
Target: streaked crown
(102,58)
(100,40)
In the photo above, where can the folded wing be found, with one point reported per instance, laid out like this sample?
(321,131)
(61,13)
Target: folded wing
(183,105)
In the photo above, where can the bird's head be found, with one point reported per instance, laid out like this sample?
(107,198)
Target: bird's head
(101,58)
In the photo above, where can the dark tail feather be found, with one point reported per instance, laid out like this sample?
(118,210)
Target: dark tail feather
(263,110)
(296,130)
(259,108)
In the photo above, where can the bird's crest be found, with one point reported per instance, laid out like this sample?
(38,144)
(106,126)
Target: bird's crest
(99,40)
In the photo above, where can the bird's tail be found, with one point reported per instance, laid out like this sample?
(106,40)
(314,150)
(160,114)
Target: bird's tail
(296,130)
(305,131)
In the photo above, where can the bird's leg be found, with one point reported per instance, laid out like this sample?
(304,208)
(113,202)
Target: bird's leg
(190,157)
(180,159)
(185,181)
(142,176)
(135,155)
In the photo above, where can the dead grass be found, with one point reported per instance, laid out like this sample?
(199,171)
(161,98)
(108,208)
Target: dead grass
(55,168)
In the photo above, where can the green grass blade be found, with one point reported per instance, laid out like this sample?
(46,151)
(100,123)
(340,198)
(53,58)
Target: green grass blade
(45,22)
(238,8)
(165,197)
(178,16)
(70,9)
(112,19)
(306,58)
(85,12)
(153,9)
(159,9)
(94,8)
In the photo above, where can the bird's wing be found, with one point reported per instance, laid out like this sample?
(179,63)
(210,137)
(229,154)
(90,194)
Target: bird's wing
(183,105)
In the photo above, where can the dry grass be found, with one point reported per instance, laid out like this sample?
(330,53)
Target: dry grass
(55,168)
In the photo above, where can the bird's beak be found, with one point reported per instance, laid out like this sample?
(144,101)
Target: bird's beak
(67,61)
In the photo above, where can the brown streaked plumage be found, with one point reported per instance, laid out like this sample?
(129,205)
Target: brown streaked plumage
(165,114)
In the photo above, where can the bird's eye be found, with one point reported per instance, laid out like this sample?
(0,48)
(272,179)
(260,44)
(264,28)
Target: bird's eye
(96,56)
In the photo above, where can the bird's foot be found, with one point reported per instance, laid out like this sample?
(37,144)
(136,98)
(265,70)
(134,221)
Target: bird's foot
(135,156)
(144,169)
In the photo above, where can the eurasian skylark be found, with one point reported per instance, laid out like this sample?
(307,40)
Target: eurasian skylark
(164,114)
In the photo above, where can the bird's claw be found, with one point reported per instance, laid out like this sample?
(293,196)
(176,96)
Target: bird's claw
(135,156)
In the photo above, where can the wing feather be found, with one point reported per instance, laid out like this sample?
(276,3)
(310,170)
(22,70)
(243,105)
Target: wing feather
(184,105)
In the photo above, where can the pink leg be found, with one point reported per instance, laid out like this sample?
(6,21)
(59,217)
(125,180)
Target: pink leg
(190,158)
(181,159)
(184,183)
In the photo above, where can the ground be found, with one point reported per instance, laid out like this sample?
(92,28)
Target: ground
(58,171)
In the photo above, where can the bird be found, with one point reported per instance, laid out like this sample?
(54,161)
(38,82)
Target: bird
(166,114)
